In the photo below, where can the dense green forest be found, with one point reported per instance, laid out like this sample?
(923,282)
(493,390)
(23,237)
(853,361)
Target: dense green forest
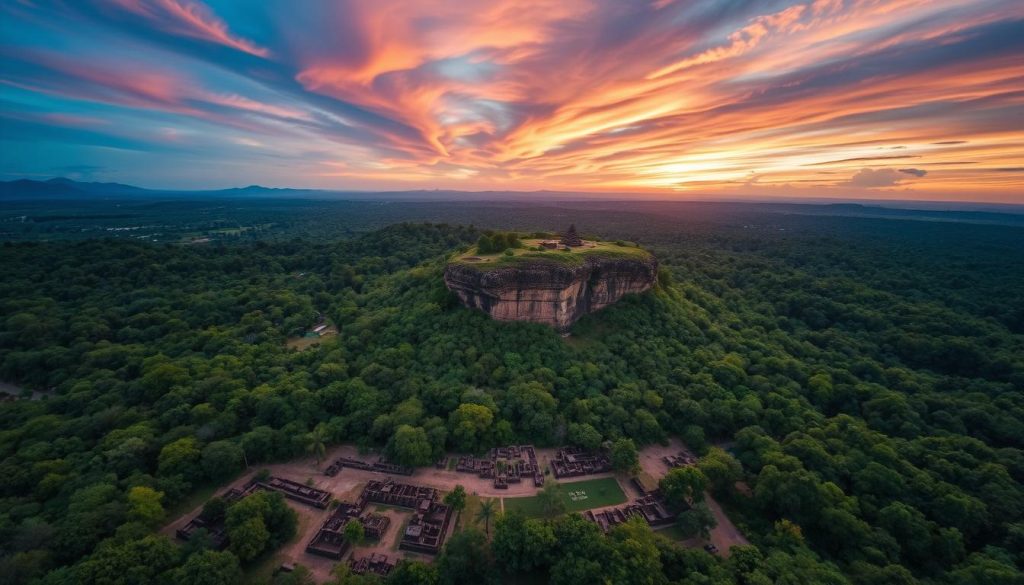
(868,375)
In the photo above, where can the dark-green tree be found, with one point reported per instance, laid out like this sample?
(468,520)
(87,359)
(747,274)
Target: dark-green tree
(864,375)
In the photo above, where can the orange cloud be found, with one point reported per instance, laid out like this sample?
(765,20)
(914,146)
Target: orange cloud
(577,94)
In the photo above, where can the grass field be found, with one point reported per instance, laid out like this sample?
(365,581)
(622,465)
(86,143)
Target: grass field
(304,343)
(571,257)
(673,532)
(578,496)
(468,517)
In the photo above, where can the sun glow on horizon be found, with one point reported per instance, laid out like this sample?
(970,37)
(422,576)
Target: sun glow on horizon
(904,99)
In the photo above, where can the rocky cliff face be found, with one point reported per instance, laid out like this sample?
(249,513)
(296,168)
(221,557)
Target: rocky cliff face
(548,292)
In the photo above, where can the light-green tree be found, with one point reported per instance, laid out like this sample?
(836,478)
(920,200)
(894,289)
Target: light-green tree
(469,425)
(585,436)
(624,455)
(180,458)
(248,539)
(410,445)
(457,500)
(355,532)
(144,505)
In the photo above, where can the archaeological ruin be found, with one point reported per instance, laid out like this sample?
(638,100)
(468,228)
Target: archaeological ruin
(651,508)
(293,490)
(574,462)
(329,541)
(681,459)
(374,563)
(425,532)
(505,465)
(381,465)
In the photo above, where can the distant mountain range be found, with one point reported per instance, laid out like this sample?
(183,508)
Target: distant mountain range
(68,189)
(62,189)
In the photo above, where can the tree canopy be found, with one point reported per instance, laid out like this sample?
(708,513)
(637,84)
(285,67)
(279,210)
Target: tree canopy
(862,377)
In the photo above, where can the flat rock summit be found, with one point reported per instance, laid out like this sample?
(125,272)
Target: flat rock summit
(554,287)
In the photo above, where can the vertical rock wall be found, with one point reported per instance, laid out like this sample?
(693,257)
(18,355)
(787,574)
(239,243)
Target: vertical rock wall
(549,292)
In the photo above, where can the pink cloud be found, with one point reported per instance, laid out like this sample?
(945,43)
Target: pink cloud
(191,19)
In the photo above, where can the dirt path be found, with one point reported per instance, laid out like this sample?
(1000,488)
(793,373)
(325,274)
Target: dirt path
(725,535)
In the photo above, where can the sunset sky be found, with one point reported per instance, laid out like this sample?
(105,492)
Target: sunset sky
(900,99)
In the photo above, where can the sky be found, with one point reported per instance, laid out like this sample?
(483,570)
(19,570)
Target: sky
(896,99)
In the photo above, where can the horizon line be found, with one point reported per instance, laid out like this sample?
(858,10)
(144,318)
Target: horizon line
(582,195)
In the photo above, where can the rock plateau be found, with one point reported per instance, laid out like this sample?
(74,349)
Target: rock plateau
(548,291)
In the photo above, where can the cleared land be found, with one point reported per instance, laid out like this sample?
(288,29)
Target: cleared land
(601,492)
(307,341)
(725,535)
(578,496)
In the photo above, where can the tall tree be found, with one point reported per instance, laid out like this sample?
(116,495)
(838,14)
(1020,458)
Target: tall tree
(466,559)
(457,500)
(550,497)
(486,512)
(683,486)
(697,520)
(316,442)
(209,567)
(624,455)
(410,446)
(721,469)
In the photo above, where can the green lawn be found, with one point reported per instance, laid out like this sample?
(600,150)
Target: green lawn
(467,518)
(571,257)
(577,495)
(528,506)
(673,532)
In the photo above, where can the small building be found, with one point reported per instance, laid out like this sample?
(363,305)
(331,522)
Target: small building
(319,329)
(549,244)
(646,484)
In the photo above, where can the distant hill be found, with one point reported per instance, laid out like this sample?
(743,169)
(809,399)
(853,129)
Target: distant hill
(68,189)
(61,188)
(260,190)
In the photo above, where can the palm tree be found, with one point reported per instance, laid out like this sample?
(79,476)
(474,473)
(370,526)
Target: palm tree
(317,442)
(486,513)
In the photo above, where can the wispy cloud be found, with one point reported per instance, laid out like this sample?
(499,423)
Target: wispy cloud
(570,94)
(915,172)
